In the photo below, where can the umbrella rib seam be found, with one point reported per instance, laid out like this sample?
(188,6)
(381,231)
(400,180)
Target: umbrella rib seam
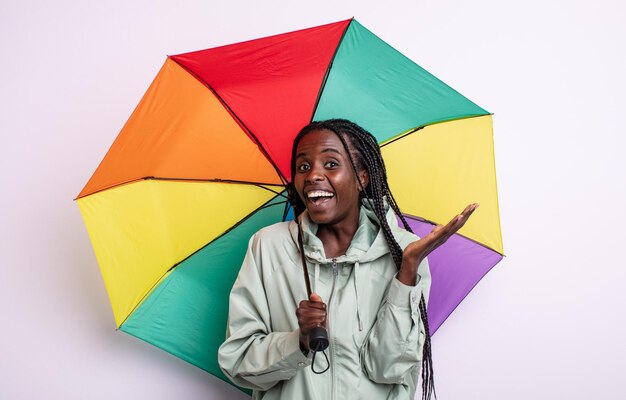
(209,180)
(160,279)
(419,128)
(236,118)
(415,217)
(330,66)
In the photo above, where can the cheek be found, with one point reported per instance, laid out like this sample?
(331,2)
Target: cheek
(350,188)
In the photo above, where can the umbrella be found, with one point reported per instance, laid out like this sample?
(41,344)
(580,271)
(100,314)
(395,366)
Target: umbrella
(203,161)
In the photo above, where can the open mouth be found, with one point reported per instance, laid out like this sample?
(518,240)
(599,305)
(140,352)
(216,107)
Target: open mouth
(318,197)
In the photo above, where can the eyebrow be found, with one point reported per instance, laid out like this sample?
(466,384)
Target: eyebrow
(326,150)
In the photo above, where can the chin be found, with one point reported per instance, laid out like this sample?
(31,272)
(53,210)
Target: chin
(319,219)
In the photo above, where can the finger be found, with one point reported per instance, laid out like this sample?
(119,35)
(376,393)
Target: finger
(437,228)
(311,319)
(309,307)
(307,312)
(433,234)
(462,218)
(447,230)
(463,215)
(306,329)
(310,312)
(458,221)
(468,211)
(314,305)
(470,208)
(315,297)
(440,234)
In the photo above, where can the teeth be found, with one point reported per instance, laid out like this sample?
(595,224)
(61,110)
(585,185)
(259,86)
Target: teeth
(319,193)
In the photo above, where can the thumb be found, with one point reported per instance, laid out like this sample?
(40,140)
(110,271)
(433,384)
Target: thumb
(315,297)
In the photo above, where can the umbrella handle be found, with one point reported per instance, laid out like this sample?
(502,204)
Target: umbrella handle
(318,338)
(307,280)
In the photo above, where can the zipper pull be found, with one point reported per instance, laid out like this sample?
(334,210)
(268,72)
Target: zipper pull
(334,266)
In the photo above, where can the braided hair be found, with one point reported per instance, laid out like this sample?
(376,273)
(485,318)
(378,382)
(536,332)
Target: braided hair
(364,153)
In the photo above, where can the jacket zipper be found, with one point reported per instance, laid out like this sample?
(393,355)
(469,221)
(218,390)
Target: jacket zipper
(330,337)
(332,289)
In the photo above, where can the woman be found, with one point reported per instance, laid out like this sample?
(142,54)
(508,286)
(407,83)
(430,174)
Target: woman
(370,277)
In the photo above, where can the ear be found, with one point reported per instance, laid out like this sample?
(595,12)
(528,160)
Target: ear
(364,177)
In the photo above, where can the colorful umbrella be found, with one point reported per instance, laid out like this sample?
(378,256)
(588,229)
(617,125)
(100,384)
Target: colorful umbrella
(202,162)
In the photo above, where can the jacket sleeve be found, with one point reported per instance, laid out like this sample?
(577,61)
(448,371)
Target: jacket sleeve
(395,342)
(253,356)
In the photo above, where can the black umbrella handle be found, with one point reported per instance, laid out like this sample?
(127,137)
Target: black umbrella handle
(318,338)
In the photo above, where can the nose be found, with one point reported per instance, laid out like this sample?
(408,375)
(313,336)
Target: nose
(315,175)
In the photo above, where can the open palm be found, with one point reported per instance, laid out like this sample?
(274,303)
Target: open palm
(415,252)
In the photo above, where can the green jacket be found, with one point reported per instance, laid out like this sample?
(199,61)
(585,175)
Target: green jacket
(374,325)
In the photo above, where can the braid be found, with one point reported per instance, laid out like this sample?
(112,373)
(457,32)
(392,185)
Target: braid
(364,154)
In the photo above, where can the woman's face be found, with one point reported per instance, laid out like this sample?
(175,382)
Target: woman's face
(325,180)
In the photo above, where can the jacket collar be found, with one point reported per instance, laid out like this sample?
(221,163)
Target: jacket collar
(368,243)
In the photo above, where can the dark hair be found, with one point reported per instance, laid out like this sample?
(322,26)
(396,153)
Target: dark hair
(364,154)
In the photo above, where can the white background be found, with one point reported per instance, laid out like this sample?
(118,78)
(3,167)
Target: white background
(546,323)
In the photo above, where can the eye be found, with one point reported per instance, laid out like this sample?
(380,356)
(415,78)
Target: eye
(303,167)
(331,164)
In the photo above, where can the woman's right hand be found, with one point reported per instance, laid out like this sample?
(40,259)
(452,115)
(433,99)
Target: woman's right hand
(310,313)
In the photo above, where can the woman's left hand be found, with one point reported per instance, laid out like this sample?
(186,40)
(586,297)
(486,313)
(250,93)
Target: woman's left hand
(415,252)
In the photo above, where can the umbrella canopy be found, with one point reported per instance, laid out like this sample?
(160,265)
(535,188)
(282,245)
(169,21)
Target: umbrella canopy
(202,162)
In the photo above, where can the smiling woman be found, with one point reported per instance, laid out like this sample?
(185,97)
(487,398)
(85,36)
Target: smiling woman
(371,282)
(324,179)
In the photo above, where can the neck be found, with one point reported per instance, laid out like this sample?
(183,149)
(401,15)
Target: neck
(338,237)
